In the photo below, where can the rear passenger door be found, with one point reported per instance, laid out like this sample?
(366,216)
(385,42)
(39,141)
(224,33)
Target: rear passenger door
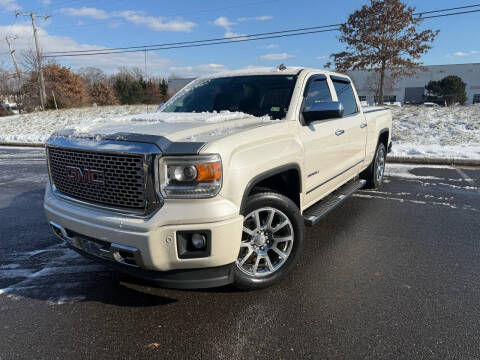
(351,132)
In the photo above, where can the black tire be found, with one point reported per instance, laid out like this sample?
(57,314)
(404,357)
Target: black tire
(371,173)
(286,207)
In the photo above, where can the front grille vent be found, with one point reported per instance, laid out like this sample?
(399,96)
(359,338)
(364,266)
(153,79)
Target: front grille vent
(123,177)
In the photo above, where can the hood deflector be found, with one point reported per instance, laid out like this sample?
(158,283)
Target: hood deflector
(165,145)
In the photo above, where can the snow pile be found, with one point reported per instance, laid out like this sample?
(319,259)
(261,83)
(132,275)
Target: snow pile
(433,132)
(37,127)
(418,131)
(159,117)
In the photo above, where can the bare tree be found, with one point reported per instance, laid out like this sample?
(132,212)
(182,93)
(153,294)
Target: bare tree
(92,75)
(383,36)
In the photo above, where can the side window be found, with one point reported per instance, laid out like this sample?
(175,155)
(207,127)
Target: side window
(318,91)
(346,97)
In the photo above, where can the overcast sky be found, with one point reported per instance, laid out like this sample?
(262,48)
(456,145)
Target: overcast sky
(87,24)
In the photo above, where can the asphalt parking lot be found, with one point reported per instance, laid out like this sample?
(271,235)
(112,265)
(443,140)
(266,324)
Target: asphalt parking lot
(390,274)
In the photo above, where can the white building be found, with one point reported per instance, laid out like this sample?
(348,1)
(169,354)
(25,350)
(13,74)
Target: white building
(410,90)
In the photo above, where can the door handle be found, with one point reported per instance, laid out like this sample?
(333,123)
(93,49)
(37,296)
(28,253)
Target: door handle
(339,132)
(363,125)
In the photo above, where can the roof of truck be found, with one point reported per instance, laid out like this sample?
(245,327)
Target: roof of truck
(290,70)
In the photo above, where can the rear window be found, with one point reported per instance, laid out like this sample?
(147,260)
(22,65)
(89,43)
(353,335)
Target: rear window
(346,97)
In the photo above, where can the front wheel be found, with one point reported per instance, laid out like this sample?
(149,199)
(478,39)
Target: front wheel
(272,239)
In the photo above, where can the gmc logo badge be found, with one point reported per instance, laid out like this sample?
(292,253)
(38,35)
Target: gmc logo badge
(87,176)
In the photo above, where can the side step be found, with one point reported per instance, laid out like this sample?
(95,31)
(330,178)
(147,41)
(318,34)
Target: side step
(321,208)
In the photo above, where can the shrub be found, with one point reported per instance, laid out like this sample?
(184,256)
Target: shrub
(103,94)
(451,89)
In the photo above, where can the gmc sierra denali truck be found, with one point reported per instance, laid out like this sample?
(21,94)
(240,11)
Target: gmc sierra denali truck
(217,186)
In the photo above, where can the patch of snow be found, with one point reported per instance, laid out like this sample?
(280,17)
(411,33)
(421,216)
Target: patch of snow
(37,127)
(10,266)
(432,132)
(418,131)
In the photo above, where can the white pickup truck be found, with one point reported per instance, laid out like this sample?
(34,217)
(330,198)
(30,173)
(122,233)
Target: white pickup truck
(217,186)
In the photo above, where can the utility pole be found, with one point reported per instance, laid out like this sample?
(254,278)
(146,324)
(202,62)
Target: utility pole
(12,53)
(32,15)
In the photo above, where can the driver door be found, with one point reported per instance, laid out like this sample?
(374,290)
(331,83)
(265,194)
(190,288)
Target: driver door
(322,147)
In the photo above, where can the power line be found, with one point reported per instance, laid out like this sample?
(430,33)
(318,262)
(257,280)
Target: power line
(243,38)
(240,37)
(444,10)
(451,14)
(192,45)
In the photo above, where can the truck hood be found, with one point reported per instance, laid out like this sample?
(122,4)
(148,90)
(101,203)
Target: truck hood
(176,127)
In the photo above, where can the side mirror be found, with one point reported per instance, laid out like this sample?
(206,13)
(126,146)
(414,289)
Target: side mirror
(322,110)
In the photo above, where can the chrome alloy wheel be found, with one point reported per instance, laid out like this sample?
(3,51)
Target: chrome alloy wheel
(267,241)
(380,165)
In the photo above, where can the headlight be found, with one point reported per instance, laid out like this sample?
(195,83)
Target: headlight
(189,176)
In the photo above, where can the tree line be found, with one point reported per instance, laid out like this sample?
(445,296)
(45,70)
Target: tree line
(66,88)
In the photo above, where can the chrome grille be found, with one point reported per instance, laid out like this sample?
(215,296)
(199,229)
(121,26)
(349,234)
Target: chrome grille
(124,177)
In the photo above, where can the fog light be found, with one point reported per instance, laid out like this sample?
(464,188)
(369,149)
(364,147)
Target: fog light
(198,241)
(194,244)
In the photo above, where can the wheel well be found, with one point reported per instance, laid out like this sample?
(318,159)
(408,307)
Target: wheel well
(383,138)
(286,182)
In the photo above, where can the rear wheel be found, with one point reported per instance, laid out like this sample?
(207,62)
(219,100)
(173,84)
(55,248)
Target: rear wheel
(374,173)
(272,240)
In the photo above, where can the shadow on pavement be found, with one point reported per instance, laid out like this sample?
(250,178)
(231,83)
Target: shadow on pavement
(35,264)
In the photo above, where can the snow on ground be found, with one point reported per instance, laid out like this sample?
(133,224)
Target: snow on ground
(432,132)
(37,127)
(418,131)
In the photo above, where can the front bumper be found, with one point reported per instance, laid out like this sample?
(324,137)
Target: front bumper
(154,238)
(178,279)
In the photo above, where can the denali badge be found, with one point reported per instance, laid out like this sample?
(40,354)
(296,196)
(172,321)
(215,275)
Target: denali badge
(90,176)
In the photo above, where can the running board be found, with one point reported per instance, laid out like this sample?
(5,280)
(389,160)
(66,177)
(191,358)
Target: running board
(331,201)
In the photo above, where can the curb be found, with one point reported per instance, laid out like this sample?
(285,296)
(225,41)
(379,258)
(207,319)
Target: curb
(19,144)
(390,158)
(432,161)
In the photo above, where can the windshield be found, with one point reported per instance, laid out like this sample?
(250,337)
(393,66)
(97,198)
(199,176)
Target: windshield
(257,95)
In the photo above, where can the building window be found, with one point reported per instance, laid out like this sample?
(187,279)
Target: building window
(362,98)
(476,98)
(387,99)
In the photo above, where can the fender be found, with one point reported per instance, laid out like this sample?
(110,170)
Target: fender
(269,173)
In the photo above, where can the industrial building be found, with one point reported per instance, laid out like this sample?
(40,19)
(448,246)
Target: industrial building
(405,90)
(411,89)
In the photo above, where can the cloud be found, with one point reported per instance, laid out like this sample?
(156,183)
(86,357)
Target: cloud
(155,23)
(225,23)
(255,18)
(9,5)
(197,70)
(463,54)
(157,65)
(86,12)
(45,2)
(272,57)
(272,46)
(321,57)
